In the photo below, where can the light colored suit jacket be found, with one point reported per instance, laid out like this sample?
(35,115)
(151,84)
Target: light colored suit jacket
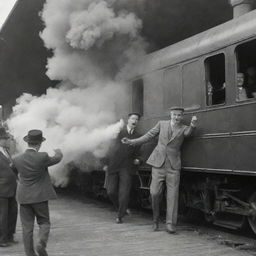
(167,146)
(34,184)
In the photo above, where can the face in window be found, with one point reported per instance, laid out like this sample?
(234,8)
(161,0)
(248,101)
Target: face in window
(133,121)
(240,79)
(176,116)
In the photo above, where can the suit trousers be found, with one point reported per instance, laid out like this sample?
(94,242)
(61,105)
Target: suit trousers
(172,178)
(118,189)
(8,218)
(28,213)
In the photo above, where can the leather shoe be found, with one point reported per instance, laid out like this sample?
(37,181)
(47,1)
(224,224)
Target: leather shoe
(40,249)
(119,220)
(170,229)
(128,212)
(155,226)
(4,244)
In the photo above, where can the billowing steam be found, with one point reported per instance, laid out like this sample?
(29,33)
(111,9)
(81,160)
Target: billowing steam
(93,43)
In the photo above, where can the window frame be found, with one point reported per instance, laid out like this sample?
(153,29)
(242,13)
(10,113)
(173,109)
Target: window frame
(248,100)
(205,79)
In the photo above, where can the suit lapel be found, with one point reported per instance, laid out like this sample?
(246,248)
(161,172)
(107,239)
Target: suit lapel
(168,131)
(175,133)
(4,157)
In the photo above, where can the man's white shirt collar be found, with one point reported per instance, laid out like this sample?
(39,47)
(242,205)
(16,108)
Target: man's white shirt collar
(129,130)
(3,151)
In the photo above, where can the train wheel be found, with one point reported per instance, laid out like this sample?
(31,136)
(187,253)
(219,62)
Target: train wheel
(252,218)
(185,211)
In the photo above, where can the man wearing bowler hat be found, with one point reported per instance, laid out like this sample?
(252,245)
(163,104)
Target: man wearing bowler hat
(34,190)
(8,184)
(166,163)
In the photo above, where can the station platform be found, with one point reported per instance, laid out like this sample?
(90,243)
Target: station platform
(87,228)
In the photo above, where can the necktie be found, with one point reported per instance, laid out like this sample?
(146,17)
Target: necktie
(7,154)
(170,132)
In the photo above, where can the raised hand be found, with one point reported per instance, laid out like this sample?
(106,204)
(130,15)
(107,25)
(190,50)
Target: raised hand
(58,152)
(136,161)
(125,140)
(193,121)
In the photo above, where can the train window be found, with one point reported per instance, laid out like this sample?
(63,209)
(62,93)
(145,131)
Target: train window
(172,87)
(191,82)
(246,71)
(215,79)
(137,96)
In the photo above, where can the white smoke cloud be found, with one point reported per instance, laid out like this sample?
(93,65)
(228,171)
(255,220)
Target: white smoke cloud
(92,45)
(99,24)
(90,41)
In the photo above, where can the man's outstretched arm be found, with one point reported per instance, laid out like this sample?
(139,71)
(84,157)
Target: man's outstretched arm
(145,138)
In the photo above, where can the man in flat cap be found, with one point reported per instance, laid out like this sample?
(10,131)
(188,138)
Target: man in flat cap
(166,163)
(34,190)
(122,161)
(8,184)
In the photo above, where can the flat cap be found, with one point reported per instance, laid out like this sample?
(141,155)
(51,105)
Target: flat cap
(134,113)
(176,108)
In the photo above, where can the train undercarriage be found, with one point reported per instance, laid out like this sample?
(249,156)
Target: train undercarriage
(224,200)
(228,201)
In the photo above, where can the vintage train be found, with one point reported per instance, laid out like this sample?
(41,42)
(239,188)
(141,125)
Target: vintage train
(218,162)
(200,73)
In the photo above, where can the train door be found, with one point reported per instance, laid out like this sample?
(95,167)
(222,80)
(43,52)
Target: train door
(215,121)
(243,120)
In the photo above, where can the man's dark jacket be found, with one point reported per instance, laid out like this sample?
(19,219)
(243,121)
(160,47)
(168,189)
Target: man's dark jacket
(8,182)
(123,155)
(34,181)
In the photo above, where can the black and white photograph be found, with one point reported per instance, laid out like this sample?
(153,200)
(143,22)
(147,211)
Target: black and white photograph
(127,127)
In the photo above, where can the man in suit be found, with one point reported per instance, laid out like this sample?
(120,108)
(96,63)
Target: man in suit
(34,190)
(166,163)
(122,165)
(8,184)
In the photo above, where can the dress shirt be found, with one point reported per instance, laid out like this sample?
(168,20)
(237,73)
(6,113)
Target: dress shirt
(130,130)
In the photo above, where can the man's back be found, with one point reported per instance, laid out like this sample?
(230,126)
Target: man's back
(34,180)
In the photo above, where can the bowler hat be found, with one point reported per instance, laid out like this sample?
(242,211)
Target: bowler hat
(3,133)
(34,136)
(177,108)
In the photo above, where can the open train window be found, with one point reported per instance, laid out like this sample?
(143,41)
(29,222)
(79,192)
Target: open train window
(137,96)
(246,71)
(215,80)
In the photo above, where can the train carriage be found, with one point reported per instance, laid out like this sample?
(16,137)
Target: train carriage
(200,74)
